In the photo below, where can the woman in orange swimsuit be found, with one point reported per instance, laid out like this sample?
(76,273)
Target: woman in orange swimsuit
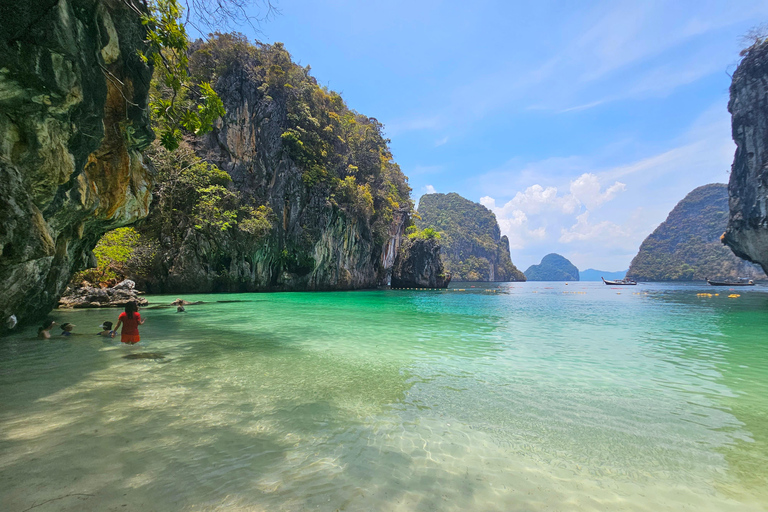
(130,320)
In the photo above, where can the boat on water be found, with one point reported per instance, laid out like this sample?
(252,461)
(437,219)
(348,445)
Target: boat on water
(620,282)
(743,281)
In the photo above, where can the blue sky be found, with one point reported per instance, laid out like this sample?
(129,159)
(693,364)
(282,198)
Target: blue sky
(580,124)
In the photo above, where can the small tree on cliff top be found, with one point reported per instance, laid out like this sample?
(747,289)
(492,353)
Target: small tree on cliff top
(754,37)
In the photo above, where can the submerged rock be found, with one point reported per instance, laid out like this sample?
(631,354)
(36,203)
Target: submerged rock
(91,297)
(747,233)
(418,265)
(73,97)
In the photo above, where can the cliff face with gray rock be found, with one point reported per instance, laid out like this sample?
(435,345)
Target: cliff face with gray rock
(418,265)
(747,232)
(73,124)
(686,246)
(339,203)
(472,246)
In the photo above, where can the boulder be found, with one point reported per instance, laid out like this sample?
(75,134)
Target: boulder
(90,297)
(418,265)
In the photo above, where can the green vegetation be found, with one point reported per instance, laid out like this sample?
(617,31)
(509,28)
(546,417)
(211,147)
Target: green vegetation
(472,246)
(193,193)
(306,162)
(176,103)
(414,233)
(342,154)
(686,247)
(553,267)
(120,253)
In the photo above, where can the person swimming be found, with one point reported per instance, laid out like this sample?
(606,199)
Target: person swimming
(130,320)
(66,329)
(106,329)
(44,332)
(180,309)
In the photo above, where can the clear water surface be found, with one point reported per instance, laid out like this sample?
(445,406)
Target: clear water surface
(529,397)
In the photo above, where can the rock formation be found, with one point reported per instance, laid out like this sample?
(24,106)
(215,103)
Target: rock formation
(295,148)
(472,246)
(553,267)
(73,98)
(747,233)
(90,297)
(418,265)
(686,246)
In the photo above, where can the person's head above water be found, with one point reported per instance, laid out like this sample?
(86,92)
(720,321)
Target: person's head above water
(131,308)
(107,326)
(46,325)
(67,327)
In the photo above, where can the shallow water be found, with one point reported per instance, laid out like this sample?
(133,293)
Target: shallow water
(529,396)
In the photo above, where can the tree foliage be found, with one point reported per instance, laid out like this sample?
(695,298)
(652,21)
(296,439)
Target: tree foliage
(193,193)
(120,253)
(177,104)
(342,154)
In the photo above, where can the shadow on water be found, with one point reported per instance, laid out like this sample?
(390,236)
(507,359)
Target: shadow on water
(309,435)
(145,355)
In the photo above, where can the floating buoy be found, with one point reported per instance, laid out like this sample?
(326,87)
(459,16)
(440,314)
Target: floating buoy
(734,296)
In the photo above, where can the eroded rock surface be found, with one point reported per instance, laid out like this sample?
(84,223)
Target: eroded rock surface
(73,123)
(418,265)
(91,297)
(317,240)
(747,233)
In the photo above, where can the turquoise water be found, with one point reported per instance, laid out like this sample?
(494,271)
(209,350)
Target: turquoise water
(529,396)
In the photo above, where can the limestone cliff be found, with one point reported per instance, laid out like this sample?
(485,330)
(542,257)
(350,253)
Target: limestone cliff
(553,267)
(686,246)
(418,265)
(73,123)
(472,246)
(339,202)
(747,233)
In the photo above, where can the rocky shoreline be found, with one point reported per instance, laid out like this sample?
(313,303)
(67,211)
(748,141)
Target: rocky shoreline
(93,297)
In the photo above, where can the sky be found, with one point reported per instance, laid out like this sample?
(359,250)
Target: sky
(580,124)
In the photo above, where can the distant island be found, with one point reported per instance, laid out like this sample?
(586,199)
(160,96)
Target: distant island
(687,247)
(594,275)
(553,267)
(472,246)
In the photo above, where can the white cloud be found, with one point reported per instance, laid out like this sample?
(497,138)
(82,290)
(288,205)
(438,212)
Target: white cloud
(429,189)
(526,217)
(441,142)
(604,232)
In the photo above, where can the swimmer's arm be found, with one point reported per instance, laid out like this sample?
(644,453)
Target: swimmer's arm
(114,331)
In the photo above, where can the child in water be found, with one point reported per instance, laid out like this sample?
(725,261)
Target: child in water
(44,332)
(106,329)
(130,320)
(66,329)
